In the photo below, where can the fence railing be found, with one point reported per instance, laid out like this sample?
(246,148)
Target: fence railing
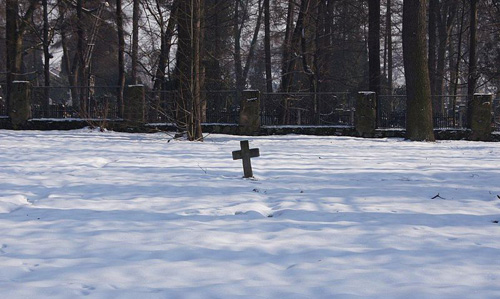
(295,108)
(306,109)
(65,102)
(220,106)
(450,114)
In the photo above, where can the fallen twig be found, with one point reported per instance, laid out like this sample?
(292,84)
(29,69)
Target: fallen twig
(438,196)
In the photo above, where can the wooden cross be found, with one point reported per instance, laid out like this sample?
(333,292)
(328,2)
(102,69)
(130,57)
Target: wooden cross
(245,154)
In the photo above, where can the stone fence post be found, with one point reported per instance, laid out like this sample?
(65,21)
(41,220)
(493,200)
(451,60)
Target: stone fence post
(365,120)
(20,103)
(481,117)
(134,104)
(250,112)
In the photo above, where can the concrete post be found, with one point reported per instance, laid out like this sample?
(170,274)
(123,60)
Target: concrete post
(20,103)
(481,117)
(365,119)
(250,112)
(134,104)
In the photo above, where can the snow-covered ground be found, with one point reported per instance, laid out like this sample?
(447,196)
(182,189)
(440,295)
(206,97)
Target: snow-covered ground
(113,215)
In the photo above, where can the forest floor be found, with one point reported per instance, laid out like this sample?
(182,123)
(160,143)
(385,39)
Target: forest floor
(115,215)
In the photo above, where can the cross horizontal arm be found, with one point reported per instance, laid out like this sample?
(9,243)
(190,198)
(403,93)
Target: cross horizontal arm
(254,152)
(237,155)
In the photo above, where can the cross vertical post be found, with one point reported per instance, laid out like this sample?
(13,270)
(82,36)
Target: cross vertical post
(245,154)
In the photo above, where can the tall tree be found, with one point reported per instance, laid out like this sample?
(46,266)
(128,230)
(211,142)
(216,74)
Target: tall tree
(135,39)
(374,45)
(287,60)
(15,28)
(445,22)
(267,46)
(188,68)
(389,46)
(240,15)
(472,76)
(121,57)
(46,56)
(80,53)
(419,122)
(432,48)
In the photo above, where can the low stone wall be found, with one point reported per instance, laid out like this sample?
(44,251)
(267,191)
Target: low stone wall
(232,129)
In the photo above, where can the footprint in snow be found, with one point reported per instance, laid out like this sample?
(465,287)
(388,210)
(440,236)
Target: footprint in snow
(86,290)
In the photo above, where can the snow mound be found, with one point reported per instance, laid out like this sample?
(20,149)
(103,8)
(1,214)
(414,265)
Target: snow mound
(9,204)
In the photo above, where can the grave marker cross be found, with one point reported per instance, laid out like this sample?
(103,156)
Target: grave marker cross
(245,154)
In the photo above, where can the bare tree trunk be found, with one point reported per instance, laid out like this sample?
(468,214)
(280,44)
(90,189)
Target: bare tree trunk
(188,68)
(432,32)
(267,46)
(69,66)
(305,11)
(81,59)
(46,56)
(374,45)
(240,84)
(121,57)
(135,39)
(166,43)
(287,48)
(14,33)
(445,25)
(456,71)
(197,76)
(472,75)
(419,122)
(253,43)
(389,47)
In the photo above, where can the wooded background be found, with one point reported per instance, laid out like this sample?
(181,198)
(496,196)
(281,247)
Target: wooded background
(192,46)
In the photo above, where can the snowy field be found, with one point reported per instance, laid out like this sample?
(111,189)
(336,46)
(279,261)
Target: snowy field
(113,215)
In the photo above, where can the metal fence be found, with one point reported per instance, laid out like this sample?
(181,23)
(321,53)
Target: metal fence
(220,106)
(452,113)
(160,107)
(298,108)
(306,109)
(391,112)
(64,102)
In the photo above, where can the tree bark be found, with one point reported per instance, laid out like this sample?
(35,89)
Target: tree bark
(237,49)
(82,78)
(166,35)
(445,25)
(253,43)
(69,65)
(419,122)
(432,49)
(287,60)
(267,46)
(46,56)
(374,45)
(121,57)
(14,33)
(472,76)
(188,68)
(135,39)
(389,47)
(197,69)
